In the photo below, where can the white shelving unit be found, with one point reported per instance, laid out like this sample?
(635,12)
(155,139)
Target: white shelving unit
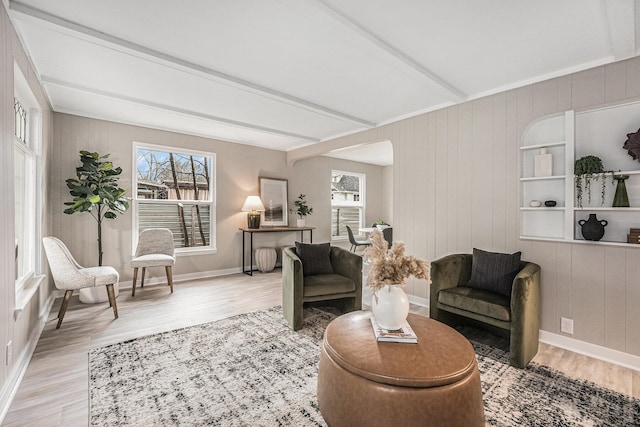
(567,137)
(555,133)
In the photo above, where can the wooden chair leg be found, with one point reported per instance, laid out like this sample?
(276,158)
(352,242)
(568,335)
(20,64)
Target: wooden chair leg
(169,272)
(63,307)
(135,277)
(112,299)
(144,270)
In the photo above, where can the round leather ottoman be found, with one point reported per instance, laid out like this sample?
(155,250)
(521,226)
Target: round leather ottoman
(362,382)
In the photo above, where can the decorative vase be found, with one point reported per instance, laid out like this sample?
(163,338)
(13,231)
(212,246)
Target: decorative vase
(593,228)
(543,163)
(621,199)
(266,259)
(390,306)
(301,222)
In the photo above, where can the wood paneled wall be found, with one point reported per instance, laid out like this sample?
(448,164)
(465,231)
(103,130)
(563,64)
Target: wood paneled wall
(237,169)
(456,188)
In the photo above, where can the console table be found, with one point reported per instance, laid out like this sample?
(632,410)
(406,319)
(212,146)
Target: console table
(252,231)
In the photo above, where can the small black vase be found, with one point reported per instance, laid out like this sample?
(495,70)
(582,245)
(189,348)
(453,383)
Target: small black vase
(593,228)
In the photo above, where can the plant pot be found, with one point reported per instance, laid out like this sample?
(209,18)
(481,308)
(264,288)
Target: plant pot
(390,306)
(97,294)
(301,222)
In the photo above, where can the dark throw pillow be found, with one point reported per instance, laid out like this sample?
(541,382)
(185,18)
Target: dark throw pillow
(493,271)
(316,259)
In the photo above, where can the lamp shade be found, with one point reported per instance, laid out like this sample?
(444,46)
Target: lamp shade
(253,203)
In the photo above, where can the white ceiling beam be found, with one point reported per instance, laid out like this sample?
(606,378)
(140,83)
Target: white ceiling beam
(68,85)
(621,21)
(177,63)
(446,88)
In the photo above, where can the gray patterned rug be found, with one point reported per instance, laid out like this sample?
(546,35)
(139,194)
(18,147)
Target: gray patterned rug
(252,370)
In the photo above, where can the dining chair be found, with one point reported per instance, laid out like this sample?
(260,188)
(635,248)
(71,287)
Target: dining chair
(69,275)
(155,249)
(355,243)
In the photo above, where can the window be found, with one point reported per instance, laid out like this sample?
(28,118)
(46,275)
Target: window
(174,188)
(347,202)
(26,175)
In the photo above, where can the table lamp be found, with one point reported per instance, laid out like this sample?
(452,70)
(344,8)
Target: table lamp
(253,205)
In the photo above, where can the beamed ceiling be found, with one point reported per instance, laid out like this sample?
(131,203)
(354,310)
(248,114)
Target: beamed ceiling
(283,74)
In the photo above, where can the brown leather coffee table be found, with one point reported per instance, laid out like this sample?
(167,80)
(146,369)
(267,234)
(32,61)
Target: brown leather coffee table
(362,382)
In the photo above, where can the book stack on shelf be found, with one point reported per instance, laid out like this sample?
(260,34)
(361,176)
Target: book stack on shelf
(403,335)
(633,236)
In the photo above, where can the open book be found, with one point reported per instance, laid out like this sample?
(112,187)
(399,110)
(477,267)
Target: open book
(405,334)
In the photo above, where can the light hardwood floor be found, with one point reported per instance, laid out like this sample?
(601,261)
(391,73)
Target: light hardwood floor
(54,391)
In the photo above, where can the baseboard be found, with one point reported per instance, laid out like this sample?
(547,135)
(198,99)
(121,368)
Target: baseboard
(183,277)
(12,384)
(424,302)
(592,350)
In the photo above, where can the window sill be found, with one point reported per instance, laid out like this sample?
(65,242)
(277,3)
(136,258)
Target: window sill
(195,251)
(24,294)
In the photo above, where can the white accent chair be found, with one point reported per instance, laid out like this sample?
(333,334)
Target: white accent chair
(69,275)
(155,249)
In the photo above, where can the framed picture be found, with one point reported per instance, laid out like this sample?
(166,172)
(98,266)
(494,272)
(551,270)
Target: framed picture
(273,192)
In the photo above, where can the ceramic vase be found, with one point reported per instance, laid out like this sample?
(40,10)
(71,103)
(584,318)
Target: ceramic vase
(593,228)
(266,259)
(621,199)
(301,222)
(390,306)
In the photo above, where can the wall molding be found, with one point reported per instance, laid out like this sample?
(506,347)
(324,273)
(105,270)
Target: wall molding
(10,387)
(162,279)
(605,354)
(592,350)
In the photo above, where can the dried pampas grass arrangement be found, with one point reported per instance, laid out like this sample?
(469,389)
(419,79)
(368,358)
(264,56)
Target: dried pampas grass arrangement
(391,266)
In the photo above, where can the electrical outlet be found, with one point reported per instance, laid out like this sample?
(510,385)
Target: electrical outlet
(9,353)
(566,325)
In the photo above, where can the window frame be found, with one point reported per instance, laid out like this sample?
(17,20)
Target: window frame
(30,149)
(135,200)
(361,204)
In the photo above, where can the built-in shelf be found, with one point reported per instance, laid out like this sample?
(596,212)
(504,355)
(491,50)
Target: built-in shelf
(605,209)
(543,208)
(542,178)
(545,239)
(569,136)
(539,146)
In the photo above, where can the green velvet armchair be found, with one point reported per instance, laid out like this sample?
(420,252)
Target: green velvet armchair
(517,317)
(341,289)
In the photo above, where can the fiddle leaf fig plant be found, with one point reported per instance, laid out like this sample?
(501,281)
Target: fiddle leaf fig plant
(95,190)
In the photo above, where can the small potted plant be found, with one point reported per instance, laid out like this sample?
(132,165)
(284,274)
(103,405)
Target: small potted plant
(302,210)
(586,169)
(381,225)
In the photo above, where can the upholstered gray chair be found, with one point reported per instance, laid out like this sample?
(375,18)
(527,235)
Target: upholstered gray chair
(328,274)
(155,249)
(514,313)
(355,243)
(69,275)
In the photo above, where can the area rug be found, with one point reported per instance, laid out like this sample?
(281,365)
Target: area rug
(252,370)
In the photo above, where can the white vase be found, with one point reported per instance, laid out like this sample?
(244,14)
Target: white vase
(390,306)
(301,222)
(266,259)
